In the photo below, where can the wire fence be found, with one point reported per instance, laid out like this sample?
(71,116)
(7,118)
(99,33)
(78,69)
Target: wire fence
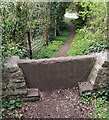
(38,38)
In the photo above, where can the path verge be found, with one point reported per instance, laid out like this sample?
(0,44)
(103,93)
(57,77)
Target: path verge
(65,48)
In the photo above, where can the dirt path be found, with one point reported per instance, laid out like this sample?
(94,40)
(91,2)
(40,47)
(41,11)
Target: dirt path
(64,49)
(57,104)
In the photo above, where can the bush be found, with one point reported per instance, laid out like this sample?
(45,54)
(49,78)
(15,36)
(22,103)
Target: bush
(85,43)
(77,23)
(64,25)
(11,49)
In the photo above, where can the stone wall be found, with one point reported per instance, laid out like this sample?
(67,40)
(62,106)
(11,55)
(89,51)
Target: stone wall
(56,73)
(99,75)
(103,73)
(13,82)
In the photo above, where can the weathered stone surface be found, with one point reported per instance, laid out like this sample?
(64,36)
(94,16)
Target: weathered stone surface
(106,64)
(32,95)
(104,71)
(56,73)
(85,87)
(18,81)
(99,75)
(12,62)
(101,81)
(30,99)
(5,76)
(16,92)
(13,82)
(100,72)
(32,92)
(17,85)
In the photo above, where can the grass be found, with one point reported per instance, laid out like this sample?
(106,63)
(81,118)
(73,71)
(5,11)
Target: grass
(53,47)
(85,43)
(80,44)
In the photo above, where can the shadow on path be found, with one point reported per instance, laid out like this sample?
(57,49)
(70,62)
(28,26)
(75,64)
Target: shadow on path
(65,48)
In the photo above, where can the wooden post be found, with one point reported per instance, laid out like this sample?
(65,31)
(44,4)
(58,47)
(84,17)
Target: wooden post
(55,27)
(29,43)
(46,34)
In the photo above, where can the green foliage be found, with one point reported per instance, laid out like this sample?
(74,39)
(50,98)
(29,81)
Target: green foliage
(81,42)
(19,18)
(13,21)
(104,93)
(101,108)
(64,26)
(10,104)
(13,28)
(86,97)
(101,105)
(94,16)
(11,49)
(49,51)
(82,8)
(56,13)
(85,43)
(68,10)
(18,116)
(53,47)
(77,23)
(100,101)
(97,47)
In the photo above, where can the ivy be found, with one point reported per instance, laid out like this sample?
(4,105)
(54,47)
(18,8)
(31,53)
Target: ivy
(9,104)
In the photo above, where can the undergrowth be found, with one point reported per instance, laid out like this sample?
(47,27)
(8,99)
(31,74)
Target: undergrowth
(100,101)
(8,105)
(53,47)
(77,23)
(85,43)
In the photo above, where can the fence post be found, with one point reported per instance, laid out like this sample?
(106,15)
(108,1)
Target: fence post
(55,27)
(29,43)
(46,34)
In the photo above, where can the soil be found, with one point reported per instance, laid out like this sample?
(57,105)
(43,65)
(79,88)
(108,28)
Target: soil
(65,48)
(57,104)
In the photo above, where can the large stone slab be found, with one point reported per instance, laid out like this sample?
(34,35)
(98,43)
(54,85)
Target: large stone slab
(56,73)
